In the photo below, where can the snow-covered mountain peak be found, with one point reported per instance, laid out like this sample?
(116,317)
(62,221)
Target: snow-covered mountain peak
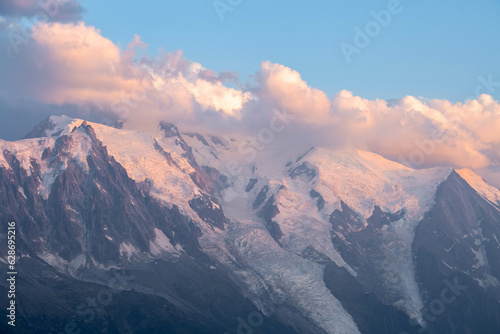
(24,150)
(64,123)
(484,189)
(300,224)
(363,179)
(54,126)
(157,162)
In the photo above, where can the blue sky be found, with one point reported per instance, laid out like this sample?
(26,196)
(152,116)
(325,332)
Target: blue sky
(433,49)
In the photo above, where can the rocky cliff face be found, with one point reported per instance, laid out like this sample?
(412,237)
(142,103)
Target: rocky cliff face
(457,260)
(95,225)
(121,231)
(93,213)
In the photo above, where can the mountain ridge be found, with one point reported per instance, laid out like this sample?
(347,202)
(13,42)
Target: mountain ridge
(275,225)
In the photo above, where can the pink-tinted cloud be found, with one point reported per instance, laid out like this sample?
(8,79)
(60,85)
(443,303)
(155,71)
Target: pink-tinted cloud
(49,10)
(67,63)
(286,89)
(73,64)
(212,76)
(417,132)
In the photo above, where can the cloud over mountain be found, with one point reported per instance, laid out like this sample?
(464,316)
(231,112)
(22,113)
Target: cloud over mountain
(72,64)
(50,10)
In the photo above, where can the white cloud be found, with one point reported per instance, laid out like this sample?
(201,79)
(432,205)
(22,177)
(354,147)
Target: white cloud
(73,64)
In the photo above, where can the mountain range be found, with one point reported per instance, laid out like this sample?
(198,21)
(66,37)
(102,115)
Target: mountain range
(122,231)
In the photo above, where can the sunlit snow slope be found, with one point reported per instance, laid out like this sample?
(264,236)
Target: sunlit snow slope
(273,217)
